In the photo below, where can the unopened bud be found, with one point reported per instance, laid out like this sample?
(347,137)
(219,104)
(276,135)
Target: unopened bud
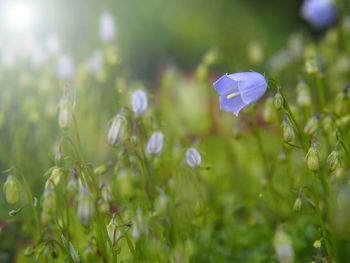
(311,126)
(278,101)
(333,160)
(317,244)
(297,204)
(86,207)
(59,159)
(283,247)
(288,134)
(327,124)
(65,114)
(155,143)
(11,189)
(268,111)
(54,178)
(72,185)
(311,66)
(303,94)
(312,159)
(113,232)
(99,170)
(49,200)
(139,102)
(193,158)
(117,130)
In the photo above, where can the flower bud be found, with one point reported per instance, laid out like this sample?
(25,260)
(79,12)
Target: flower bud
(55,177)
(327,124)
(333,160)
(303,94)
(86,207)
(278,101)
(99,170)
(283,247)
(311,66)
(312,159)
(49,200)
(155,143)
(72,185)
(117,130)
(317,244)
(288,134)
(107,28)
(268,111)
(11,189)
(311,126)
(193,158)
(59,159)
(113,232)
(139,102)
(65,113)
(297,204)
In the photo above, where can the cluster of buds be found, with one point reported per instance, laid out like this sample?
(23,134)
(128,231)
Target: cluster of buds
(11,189)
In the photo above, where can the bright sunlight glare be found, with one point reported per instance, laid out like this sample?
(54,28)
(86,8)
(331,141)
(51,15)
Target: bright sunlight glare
(19,15)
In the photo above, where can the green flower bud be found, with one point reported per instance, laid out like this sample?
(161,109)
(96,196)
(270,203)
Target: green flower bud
(65,114)
(99,170)
(54,178)
(117,130)
(303,94)
(49,200)
(327,124)
(59,159)
(268,111)
(311,66)
(278,101)
(311,126)
(114,233)
(333,160)
(297,204)
(312,159)
(11,189)
(317,244)
(86,206)
(287,131)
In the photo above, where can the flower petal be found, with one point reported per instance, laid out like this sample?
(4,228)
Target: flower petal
(225,85)
(232,105)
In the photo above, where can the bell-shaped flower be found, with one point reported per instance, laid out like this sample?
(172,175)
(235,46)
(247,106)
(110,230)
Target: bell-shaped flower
(240,90)
(108,31)
(319,13)
(193,158)
(139,102)
(155,143)
(65,68)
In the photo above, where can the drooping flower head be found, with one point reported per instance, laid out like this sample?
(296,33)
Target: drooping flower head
(319,13)
(240,90)
(155,143)
(108,31)
(139,102)
(193,158)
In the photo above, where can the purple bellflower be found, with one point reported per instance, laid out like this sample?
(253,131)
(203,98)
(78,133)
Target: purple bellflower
(319,13)
(240,90)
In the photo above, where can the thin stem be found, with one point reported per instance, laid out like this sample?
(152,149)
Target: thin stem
(31,200)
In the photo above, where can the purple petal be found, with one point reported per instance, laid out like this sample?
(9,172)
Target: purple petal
(232,105)
(225,85)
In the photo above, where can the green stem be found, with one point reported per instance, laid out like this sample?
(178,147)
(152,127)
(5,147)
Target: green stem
(319,213)
(320,90)
(31,201)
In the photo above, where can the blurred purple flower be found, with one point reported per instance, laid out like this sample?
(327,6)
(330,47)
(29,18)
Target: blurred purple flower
(319,13)
(240,90)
